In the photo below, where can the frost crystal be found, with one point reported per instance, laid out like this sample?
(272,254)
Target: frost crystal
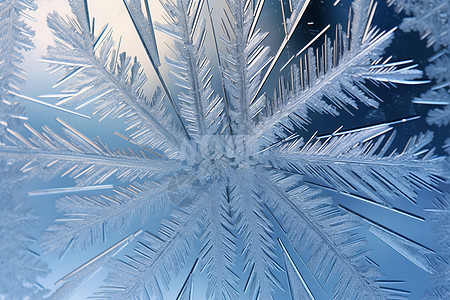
(431,19)
(15,36)
(233,171)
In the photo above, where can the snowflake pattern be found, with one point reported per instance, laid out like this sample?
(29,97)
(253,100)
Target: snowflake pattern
(230,167)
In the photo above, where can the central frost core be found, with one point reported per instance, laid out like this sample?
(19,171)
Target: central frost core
(218,153)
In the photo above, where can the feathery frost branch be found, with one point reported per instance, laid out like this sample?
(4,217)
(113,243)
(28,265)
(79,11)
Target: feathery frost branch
(311,221)
(88,219)
(156,257)
(77,156)
(201,109)
(15,37)
(359,162)
(219,245)
(255,229)
(337,75)
(112,80)
(244,59)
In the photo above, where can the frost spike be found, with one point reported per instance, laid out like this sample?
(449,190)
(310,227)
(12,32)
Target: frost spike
(70,190)
(147,36)
(188,285)
(410,249)
(77,278)
(144,28)
(307,45)
(298,291)
(47,104)
(296,15)
(256,14)
(372,202)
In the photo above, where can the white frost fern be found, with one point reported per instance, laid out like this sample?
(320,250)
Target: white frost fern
(20,265)
(228,169)
(14,39)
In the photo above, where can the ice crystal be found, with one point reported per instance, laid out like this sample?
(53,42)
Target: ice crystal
(15,37)
(21,266)
(440,278)
(228,167)
(431,19)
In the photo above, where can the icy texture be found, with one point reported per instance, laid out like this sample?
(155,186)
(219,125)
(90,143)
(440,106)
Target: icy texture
(441,279)
(201,110)
(335,161)
(15,37)
(144,27)
(242,83)
(21,266)
(431,19)
(226,169)
(107,78)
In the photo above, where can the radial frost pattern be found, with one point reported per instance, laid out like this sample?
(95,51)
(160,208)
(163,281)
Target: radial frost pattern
(220,149)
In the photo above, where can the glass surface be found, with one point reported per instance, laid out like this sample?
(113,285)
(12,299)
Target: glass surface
(301,194)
